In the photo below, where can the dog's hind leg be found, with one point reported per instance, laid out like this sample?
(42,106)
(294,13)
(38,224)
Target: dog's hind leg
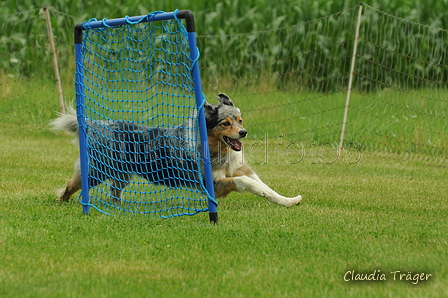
(72,185)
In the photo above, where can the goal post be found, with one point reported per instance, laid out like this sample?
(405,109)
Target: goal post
(142,72)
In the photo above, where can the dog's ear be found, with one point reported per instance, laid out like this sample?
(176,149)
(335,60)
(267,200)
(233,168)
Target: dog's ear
(225,99)
(211,114)
(210,109)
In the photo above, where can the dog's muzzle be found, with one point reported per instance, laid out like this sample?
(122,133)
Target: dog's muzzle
(235,144)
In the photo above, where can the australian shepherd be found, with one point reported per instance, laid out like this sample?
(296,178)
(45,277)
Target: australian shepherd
(154,153)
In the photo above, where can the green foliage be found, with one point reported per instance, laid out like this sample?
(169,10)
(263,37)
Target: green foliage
(238,39)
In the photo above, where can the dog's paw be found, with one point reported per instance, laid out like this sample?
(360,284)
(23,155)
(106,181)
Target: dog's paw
(293,201)
(61,195)
(298,200)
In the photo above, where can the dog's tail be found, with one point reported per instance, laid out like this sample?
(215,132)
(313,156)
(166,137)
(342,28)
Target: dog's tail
(66,122)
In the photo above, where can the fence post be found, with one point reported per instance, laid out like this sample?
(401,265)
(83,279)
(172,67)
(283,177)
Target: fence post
(350,81)
(55,58)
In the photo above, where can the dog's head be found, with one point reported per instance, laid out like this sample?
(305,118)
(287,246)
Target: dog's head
(224,122)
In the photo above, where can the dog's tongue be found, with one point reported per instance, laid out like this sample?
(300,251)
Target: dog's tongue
(236,144)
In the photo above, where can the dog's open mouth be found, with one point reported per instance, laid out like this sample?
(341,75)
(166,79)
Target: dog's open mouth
(235,144)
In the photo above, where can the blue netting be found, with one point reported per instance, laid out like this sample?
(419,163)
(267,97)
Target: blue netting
(141,119)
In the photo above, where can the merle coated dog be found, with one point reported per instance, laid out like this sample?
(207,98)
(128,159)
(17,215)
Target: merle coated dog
(167,156)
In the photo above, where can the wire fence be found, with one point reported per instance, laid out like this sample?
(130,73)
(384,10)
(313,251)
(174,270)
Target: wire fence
(291,82)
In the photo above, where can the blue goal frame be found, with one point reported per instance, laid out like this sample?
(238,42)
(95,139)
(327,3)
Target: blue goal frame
(80,100)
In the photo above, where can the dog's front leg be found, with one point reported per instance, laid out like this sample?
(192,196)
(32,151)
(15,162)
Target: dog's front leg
(243,183)
(224,186)
(245,170)
(260,189)
(117,185)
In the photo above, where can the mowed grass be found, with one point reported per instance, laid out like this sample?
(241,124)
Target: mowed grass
(376,214)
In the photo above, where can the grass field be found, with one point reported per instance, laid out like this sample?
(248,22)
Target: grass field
(376,214)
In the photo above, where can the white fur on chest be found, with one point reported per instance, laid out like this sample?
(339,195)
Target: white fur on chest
(234,161)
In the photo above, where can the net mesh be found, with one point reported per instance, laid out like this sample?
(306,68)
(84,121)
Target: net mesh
(141,120)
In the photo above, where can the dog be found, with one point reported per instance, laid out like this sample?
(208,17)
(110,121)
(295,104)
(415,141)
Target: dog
(165,156)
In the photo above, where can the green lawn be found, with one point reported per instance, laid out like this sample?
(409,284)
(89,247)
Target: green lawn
(380,213)
(377,214)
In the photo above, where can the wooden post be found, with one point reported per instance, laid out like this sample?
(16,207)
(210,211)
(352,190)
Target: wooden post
(55,59)
(350,81)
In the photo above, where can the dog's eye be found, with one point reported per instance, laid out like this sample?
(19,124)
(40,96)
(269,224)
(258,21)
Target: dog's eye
(241,121)
(226,123)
